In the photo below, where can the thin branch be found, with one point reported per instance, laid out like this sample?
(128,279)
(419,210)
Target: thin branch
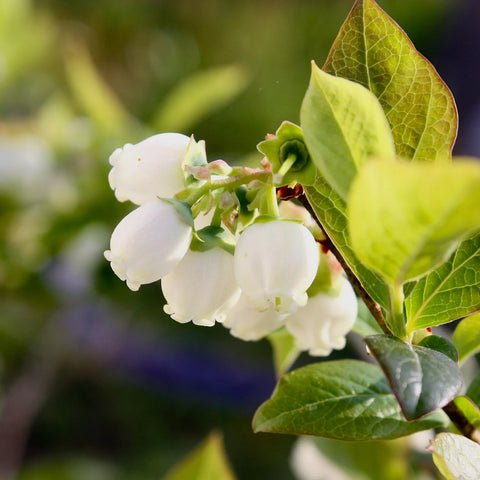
(373,306)
(461,422)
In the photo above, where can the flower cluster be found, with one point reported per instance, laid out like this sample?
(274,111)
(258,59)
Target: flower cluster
(251,268)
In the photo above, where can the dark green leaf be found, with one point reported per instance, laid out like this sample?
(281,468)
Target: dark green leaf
(344,399)
(373,50)
(422,379)
(450,292)
(441,345)
(473,391)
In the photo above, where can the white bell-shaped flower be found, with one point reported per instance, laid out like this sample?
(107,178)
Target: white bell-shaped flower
(249,324)
(324,322)
(201,288)
(149,169)
(275,263)
(148,243)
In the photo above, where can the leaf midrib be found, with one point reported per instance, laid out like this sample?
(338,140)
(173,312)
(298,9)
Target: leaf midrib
(436,290)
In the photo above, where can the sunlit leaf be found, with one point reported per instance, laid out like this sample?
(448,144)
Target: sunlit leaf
(450,292)
(344,399)
(407,218)
(198,96)
(92,93)
(457,457)
(373,50)
(422,379)
(466,337)
(331,211)
(343,124)
(208,461)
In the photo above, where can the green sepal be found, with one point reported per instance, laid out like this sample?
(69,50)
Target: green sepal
(288,140)
(183,210)
(245,215)
(212,237)
(195,156)
(441,345)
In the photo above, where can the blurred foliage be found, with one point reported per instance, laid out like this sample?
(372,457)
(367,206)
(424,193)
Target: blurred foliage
(132,393)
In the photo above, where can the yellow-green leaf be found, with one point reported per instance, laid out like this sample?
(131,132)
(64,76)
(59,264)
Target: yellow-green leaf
(373,50)
(466,337)
(407,218)
(450,292)
(208,461)
(200,95)
(343,125)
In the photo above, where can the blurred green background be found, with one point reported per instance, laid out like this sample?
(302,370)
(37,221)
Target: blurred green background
(95,381)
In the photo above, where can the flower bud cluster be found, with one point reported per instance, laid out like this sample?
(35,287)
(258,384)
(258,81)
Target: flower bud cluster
(250,269)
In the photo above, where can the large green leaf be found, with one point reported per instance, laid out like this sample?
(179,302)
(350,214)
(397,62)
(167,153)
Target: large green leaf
(198,96)
(331,211)
(206,462)
(422,379)
(343,125)
(407,218)
(450,292)
(373,50)
(457,457)
(343,399)
(466,337)
(360,460)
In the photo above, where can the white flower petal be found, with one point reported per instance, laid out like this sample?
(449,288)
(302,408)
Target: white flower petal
(323,323)
(247,323)
(275,263)
(148,243)
(149,169)
(201,288)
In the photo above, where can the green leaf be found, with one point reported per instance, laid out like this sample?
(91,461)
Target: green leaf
(343,399)
(415,214)
(441,345)
(457,457)
(285,351)
(331,212)
(206,462)
(473,391)
(343,124)
(93,94)
(469,409)
(450,292)
(466,337)
(200,95)
(365,324)
(422,379)
(373,50)
(360,460)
